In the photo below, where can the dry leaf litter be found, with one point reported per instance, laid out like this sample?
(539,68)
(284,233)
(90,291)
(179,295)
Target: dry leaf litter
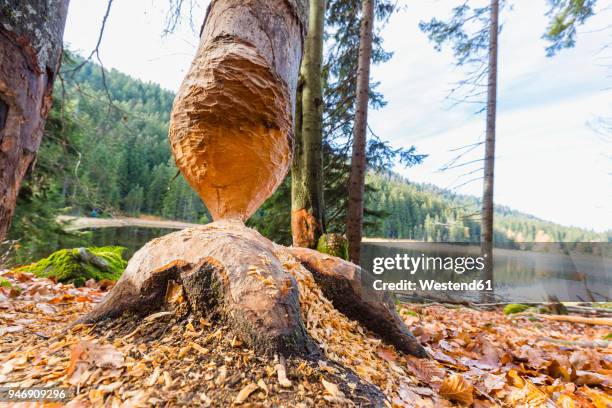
(480,358)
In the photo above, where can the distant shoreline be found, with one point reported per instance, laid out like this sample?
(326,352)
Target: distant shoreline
(79,223)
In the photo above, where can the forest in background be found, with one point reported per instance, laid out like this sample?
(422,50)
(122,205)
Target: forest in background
(114,156)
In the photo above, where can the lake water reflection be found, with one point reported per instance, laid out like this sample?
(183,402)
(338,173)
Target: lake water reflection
(520,276)
(132,238)
(551,270)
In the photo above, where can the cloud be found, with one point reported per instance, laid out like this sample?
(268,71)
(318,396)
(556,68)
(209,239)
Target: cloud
(549,162)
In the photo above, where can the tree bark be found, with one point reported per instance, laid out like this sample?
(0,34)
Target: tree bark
(226,269)
(489,159)
(30,51)
(350,290)
(358,161)
(307,209)
(231,126)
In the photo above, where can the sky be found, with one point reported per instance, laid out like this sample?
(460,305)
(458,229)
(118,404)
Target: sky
(550,160)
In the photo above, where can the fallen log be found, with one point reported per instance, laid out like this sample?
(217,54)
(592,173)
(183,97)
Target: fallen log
(602,321)
(579,343)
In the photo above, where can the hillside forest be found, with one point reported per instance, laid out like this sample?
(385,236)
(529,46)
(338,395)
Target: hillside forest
(108,151)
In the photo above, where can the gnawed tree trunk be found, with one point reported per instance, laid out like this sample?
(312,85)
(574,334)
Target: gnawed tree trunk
(354,222)
(30,50)
(307,209)
(231,126)
(231,136)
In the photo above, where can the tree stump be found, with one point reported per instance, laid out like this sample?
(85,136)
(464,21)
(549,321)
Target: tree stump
(230,271)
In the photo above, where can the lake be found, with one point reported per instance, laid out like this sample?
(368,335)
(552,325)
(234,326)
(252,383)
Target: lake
(132,238)
(541,273)
(519,275)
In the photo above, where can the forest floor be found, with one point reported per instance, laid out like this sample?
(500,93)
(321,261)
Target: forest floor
(146,221)
(480,358)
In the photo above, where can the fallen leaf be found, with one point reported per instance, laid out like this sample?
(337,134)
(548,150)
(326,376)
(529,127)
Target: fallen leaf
(220,380)
(46,308)
(199,348)
(167,379)
(94,354)
(599,399)
(457,388)
(108,388)
(152,380)
(387,354)
(591,378)
(261,384)
(332,389)
(494,382)
(10,329)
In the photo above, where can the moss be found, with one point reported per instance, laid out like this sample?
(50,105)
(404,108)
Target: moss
(541,309)
(608,336)
(515,308)
(603,305)
(4,283)
(333,244)
(77,265)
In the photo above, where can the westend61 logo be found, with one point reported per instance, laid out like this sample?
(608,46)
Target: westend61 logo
(407,264)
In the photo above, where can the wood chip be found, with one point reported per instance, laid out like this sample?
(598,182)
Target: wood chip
(282,376)
(245,392)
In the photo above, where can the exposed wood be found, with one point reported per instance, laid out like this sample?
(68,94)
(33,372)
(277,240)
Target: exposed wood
(602,321)
(30,51)
(231,126)
(358,160)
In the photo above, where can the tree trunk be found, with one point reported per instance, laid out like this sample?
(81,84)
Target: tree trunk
(307,209)
(231,128)
(489,159)
(358,161)
(30,50)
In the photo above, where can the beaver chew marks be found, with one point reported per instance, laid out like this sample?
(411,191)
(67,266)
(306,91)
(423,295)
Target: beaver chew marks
(231,129)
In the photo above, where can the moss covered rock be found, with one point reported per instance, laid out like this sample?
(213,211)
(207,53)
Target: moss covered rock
(515,308)
(333,244)
(78,265)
